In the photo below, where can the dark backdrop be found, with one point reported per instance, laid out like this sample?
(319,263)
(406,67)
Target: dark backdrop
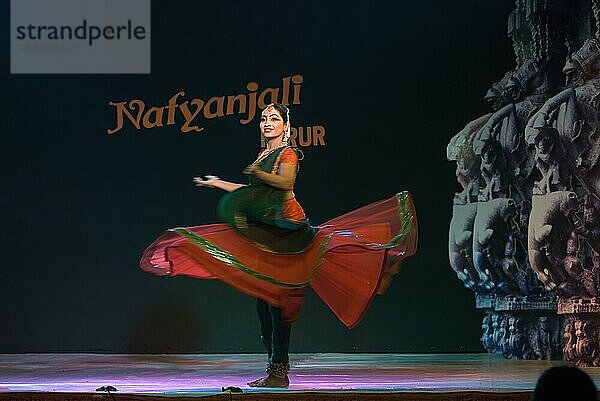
(390,81)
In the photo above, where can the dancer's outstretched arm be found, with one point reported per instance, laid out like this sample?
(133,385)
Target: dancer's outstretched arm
(212,181)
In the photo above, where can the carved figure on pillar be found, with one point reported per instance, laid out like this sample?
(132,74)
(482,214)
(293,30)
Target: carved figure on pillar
(574,114)
(493,226)
(569,351)
(487,330)
(460,150)
(500,332)
(493,171)
(514,275)
(497,96)
(468,174)
(549,227)
(551,163)
(586,347)
(528,88)
(545,337)
(517,344)
(589,228)
(460,247)
(580,282)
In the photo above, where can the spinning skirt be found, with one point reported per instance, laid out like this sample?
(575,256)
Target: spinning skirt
(344,263)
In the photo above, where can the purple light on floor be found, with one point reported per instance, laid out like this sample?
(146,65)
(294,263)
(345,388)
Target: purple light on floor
(207,374)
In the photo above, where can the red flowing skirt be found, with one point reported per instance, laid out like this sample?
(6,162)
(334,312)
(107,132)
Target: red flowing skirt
(344,264)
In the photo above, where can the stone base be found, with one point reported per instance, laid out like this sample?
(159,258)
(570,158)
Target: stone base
(523,328)
(514,303)
(485,301)
(578,305)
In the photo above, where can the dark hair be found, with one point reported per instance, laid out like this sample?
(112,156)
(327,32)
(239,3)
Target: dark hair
(564,383)
(282,109)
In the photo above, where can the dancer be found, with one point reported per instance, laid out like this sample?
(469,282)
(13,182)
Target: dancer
(267,211)
(267,248)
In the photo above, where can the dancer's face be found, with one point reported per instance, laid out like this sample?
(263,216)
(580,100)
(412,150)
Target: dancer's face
(271,123)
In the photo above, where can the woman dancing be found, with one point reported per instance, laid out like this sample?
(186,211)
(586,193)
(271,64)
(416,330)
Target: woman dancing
(267,248)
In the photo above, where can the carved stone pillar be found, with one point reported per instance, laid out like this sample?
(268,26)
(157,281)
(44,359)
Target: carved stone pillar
(518,236)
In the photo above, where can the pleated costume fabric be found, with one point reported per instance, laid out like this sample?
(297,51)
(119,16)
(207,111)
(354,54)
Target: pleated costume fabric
(260,252)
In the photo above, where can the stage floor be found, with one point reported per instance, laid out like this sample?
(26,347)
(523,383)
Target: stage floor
(38,376)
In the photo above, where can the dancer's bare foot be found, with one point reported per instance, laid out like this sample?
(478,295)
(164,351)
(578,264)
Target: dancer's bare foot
(254,383)
(271,381)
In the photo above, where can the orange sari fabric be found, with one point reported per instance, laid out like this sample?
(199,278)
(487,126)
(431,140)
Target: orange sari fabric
(344,263)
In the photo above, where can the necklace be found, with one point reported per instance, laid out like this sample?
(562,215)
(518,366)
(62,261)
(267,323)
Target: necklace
(266,152)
